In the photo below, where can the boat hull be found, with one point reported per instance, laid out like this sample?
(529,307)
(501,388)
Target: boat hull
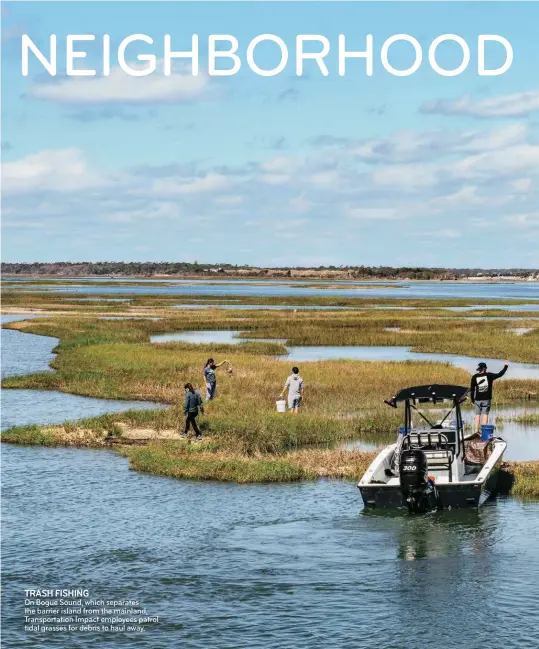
(453,495)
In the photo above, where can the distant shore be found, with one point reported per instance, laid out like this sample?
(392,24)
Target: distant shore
(194,270)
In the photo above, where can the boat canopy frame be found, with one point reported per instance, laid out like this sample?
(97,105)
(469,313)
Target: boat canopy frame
(433,393)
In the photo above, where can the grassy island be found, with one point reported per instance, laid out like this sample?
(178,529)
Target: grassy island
(245,440)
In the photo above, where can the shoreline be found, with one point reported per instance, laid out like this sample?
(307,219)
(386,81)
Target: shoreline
(269,276)
(164,453)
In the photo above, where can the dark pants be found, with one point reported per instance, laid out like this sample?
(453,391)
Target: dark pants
(191,420)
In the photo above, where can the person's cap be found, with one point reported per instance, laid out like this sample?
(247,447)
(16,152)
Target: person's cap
(481,366)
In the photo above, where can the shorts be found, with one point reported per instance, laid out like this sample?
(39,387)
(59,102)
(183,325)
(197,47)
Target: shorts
(482,407)
(294,403)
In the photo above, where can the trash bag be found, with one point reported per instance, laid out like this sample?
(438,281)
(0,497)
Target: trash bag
(477,452)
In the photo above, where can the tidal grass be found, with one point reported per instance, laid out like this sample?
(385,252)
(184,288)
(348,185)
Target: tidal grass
(195,462)
(113,359)
(522,478)
(245,439)
(489,339)
(526,418)
(29,436)
(178,461)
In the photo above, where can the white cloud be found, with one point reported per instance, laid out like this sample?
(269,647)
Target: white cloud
(522,184)
(524,220)
(279,164)
(120,87)
(158,211)
(514,160)
(407,177)
(209,183)
(60,170)
(518,104)
(470,179)
(412,146)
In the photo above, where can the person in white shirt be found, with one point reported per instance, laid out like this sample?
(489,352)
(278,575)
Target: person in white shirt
(295,386)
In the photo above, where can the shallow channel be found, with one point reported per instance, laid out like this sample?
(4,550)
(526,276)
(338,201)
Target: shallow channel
(24,353)
(352,352)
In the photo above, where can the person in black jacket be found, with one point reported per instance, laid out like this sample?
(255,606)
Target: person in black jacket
(193,401)
(481,392)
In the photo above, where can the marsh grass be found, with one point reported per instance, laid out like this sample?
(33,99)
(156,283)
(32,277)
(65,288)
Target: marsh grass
(522,478)
(245,439)
(526,418)
(177,460)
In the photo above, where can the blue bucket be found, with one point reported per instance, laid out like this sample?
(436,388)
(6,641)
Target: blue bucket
(487,432)
(403,430)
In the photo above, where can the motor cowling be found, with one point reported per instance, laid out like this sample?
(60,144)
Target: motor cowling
(417,488)
(413,469)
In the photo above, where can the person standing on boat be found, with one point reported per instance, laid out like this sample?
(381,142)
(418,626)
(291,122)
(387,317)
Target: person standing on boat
(193,401)
(481,392)
(210,379)
(295,386)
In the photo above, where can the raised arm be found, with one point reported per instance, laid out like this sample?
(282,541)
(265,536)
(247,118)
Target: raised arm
(221,364)
(501,372)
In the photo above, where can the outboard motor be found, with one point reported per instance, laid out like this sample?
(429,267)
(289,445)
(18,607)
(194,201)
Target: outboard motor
(417,488)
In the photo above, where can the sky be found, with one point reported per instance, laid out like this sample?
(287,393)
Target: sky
(421,170)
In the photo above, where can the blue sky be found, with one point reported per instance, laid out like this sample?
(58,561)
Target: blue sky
(423,170)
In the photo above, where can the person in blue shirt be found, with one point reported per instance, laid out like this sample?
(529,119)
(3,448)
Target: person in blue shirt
(210,378)
(193,401)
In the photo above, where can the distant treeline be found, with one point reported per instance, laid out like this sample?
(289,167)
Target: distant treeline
(151,269)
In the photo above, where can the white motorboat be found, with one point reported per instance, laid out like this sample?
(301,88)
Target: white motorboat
(434,466)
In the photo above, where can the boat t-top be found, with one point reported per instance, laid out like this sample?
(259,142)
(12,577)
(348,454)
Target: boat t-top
(433,466)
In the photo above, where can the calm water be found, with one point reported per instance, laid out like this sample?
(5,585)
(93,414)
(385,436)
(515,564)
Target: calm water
(502,307)
(260,567)
(352,352)
(25,353)
(404,289)
(522,439)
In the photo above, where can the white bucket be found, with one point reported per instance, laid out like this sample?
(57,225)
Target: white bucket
(281,405)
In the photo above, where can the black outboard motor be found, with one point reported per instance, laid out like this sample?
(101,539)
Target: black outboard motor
(417,488)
